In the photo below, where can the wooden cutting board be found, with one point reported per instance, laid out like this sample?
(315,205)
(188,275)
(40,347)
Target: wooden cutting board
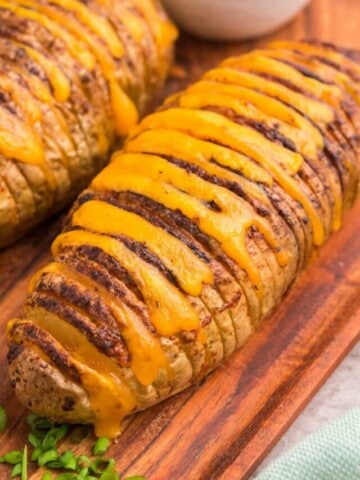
(224,427)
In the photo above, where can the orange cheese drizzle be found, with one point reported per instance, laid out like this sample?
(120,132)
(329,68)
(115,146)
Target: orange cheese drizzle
(58,80)
(308,144)
(331,94)
(175,188)
(329,73)
(205,98)
(132,22)
(147,356)
(271,110)
(146,17)
(190,271)
(258,62)
(153,140)
(163,30)
(19,138)
(33,116)
(38,88)
(22,98)
(320,113)
(201,153)
(125,112)
(320,50)
(269,106)
(62,90)
(76,48)
(204,124)
(34,153)
(197,152)
(169,310)
(21,142)
(210,125)
(233,77)
(110,397)
(98,24)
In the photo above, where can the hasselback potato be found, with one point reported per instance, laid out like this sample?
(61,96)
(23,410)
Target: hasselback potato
(73,76)
(191,236)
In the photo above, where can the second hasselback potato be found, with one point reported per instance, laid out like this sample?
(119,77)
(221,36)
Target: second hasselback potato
(191,236)
(73,76)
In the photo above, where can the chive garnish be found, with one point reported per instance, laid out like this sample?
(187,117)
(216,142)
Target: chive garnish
(48,456)
(46,476)
(110,475)
(101,465)
(16,471)
(44,437)
(101,446)
(12,458)
(24,464)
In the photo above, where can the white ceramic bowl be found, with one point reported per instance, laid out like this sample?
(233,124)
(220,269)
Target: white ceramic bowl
(232,19)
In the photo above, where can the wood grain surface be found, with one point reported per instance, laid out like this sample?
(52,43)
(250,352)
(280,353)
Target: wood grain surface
(224,427)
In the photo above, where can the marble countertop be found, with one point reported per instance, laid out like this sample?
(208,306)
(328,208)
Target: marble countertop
(339,394)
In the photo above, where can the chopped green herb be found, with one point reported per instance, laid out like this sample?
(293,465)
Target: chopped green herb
(24,469)
(83,461)
(110,475)
(53,436)
(68,476)
(44,437)
(46,476)
(84,473)
(34,441)
(101,465)
(16,471)
(66,460)
(48,456)
(39,426)
(3,419)
(36,454)
(12,458)
(101,446)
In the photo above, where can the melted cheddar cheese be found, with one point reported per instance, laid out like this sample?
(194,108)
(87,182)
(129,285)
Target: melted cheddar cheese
(110,396)
(175,188)
(58,80)
(320,113)
(280,163)
(189,270)
(147,356)
(169,310)
(70,32)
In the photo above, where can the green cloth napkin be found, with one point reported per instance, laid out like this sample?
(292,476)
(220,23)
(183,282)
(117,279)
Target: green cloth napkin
(330,453)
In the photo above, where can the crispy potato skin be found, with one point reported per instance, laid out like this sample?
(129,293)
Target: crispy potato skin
(192,235)
(44,390)
(73,93)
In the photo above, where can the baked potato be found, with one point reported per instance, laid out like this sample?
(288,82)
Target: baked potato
(74,76)
(192,235)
